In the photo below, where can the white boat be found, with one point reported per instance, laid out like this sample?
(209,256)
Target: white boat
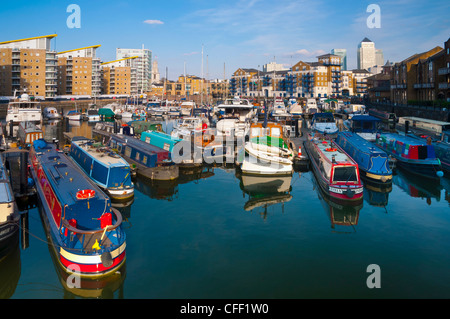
(235,116)
(266,152)
(186,108)
(92,115)
(324,123)
(24,110)
(184,127)
(74,115)
(295,109)
(311,107)
(51,113)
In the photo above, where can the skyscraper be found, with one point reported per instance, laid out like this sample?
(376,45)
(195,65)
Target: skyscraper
(379,59)
(366,54)
(343,54)
(143,66)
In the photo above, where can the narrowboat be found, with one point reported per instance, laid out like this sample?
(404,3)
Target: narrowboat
(412,154)
(266,152)
(106,129)
(28,132)
(372,162)
(85,232)
(365,126)
(324,123)
(160,139)
(9,214)
(336,172)
(150,161)
(103,166)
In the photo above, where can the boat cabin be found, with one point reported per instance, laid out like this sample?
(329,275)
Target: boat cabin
(28,133)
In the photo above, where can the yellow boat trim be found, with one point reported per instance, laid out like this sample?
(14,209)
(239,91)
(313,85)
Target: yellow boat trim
(379,177)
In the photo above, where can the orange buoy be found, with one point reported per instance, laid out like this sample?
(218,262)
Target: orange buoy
(329,149)
(85,194)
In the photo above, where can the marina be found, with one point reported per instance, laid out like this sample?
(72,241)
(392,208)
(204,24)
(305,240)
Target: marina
(291,213)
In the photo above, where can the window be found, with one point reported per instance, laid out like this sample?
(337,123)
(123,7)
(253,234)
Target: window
(345,174)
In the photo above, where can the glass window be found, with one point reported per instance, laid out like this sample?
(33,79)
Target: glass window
(345,174)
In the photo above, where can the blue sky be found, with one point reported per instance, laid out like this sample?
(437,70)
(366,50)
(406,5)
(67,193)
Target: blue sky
(236,33)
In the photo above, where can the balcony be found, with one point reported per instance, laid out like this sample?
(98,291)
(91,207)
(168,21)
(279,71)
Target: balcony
(424,86)
(444,71)
(444,85)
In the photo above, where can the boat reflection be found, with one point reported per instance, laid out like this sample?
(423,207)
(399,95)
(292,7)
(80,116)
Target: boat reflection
(376,194)
(417,187)
(168,190)
(10,269)
(341,215)
(108,287)
(265,191)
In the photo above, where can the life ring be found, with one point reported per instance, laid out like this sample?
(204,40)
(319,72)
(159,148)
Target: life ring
(85,194)
(329,149)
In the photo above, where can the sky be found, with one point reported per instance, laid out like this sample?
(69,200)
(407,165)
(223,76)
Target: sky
(232,34)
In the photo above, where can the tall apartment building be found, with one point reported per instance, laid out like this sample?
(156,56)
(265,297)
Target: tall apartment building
(79,72)
(28,65)
(142,64)
(120,77)
(343,54)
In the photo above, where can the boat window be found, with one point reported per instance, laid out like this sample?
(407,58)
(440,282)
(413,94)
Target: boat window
(138,156)
(119,176)
(128,151)
(255,131)
(275,132)
(345,174)
(144,160)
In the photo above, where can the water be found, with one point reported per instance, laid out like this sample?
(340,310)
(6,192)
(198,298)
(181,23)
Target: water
(211,236)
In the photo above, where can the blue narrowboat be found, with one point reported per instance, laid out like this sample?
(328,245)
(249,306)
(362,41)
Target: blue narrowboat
(372,161)
(412,154)
(151,162)
(105,167)
(85,232)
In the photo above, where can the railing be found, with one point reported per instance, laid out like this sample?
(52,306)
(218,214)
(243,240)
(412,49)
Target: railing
(443,71)
(72,230)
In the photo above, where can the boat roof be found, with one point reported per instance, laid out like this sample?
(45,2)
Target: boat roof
(340,156)
(66,177)
(97,154)
(365,118)
(138,144)
(324,114)
(361,144)
(419,119)
(402,138)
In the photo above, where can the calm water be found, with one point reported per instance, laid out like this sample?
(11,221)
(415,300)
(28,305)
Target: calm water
(214,235)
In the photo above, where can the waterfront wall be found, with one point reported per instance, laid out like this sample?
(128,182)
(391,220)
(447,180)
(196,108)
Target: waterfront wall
(428,112)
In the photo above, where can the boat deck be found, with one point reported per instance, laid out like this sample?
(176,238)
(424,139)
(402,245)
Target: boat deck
(361,144)
(102,156)
(339,156)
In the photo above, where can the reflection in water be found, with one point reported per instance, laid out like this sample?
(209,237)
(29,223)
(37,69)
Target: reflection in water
(415,186)
(265,191)
(376,194)
(339,214)
(10,267)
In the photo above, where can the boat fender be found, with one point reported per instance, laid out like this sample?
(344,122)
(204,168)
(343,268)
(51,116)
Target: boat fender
(349,193)
(107,259)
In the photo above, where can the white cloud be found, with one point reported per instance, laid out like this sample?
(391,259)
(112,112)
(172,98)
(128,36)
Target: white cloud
(153,22)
